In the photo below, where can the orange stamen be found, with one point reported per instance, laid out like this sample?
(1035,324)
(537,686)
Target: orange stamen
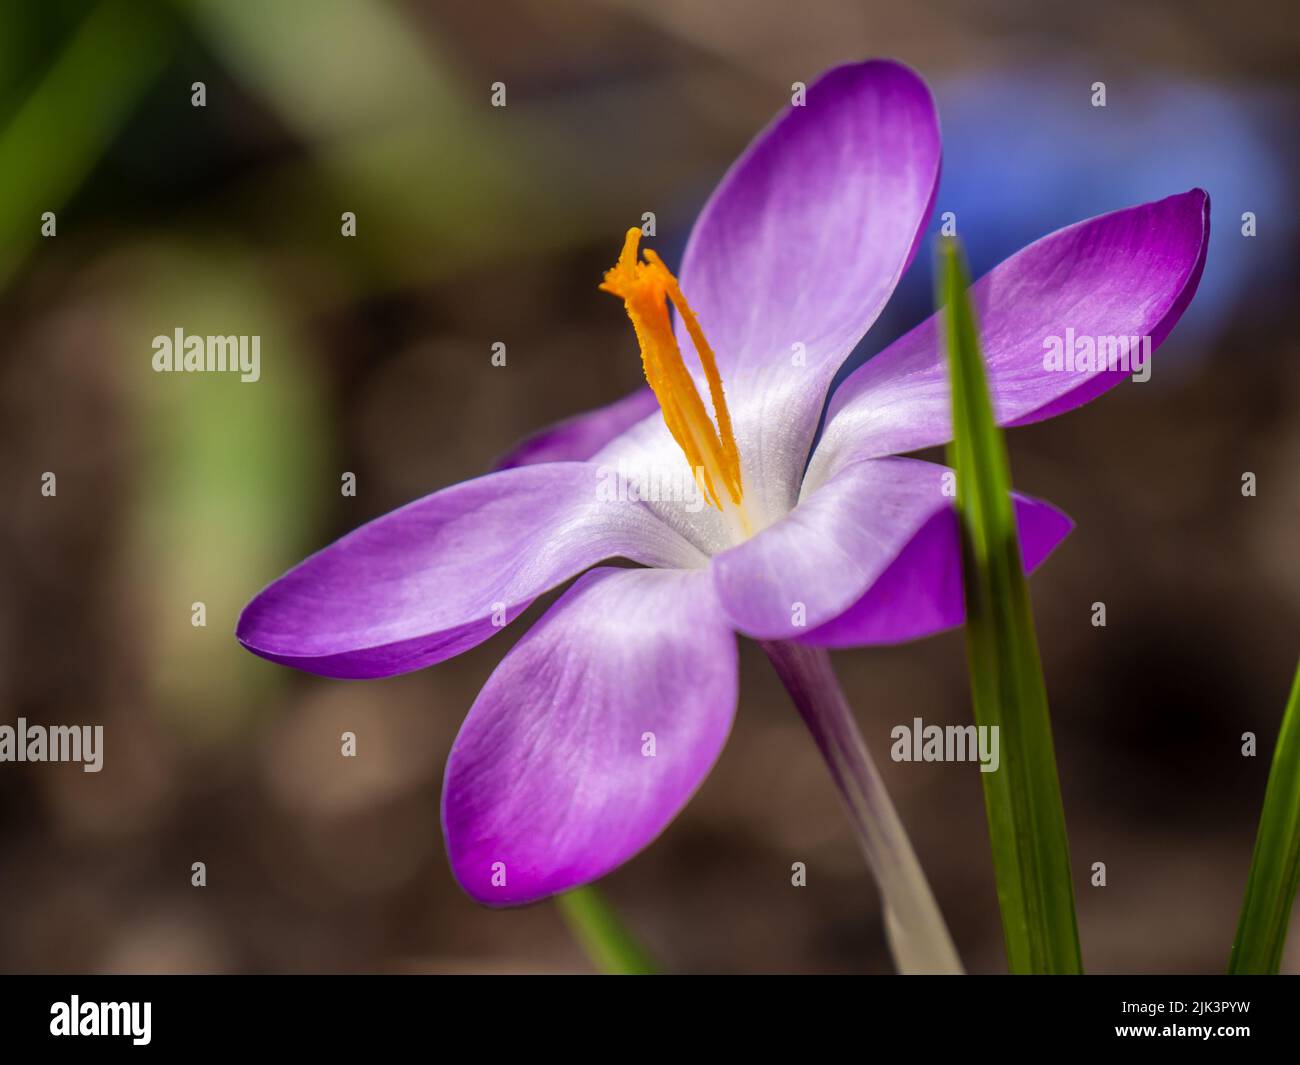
(646,289)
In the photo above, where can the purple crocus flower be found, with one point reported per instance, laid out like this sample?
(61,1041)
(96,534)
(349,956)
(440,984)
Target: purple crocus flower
(596,728)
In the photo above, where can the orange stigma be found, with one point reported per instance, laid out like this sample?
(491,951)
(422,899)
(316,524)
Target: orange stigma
(646,289)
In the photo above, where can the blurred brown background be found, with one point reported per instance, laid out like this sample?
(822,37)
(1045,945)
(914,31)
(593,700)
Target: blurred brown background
(478,225)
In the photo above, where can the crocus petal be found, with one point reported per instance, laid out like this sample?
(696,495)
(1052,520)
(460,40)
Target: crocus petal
(801,245)
(578,438)
(921,592)
(444,573)
(1130,273)
(807,235)
(591,735)
(841,540)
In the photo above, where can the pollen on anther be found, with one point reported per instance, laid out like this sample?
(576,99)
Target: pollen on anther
(647,287)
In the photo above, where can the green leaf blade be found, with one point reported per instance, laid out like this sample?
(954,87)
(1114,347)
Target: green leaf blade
(1275,864)
(1031,857)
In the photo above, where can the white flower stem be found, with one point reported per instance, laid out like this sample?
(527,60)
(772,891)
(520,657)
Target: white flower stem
(914,926)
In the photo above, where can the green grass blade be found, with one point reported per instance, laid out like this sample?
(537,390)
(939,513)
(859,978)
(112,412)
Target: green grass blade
(1275,866)
(1031,857)
(72,115)
(608,943)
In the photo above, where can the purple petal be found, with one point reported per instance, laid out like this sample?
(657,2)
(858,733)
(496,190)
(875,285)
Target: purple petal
(921,591)
(444,573)
(807,235)
(837,544)
(549,782)
(1126,274)
(578,438)
(800,247)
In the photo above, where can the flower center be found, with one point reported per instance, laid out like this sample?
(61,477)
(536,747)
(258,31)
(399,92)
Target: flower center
(646,288)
